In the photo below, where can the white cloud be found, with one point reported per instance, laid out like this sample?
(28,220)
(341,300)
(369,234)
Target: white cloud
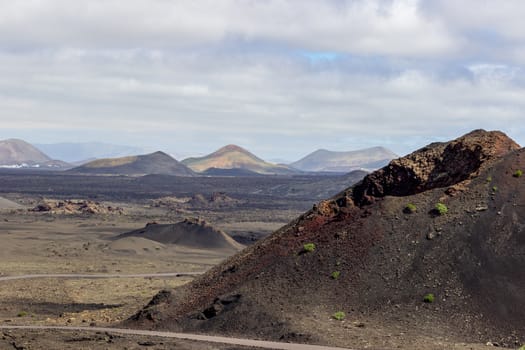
(367,27)
(193,75)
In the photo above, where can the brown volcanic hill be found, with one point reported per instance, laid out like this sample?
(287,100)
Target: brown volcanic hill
(154,163)
(191,233)
(470,258)
(14,151)
(20,154)
(235,157)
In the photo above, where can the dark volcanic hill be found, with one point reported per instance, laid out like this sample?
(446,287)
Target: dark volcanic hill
(190,233)
(154,163)
(16,153)
(323,160)
(375,261)
(235,157)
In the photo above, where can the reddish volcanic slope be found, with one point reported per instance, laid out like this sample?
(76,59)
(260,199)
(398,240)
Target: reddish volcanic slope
(470,258)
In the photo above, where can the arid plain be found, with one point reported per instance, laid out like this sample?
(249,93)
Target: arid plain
(48,227)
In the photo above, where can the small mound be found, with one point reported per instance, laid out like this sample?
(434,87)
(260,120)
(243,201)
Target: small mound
(7,204)
(191,233)
(136,245)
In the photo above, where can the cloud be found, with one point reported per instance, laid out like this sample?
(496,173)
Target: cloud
(368,27)
(194,75)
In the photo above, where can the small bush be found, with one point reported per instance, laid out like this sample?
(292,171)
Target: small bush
(518,173)
(22,314)
(309,247)
(489,178)
(339,315)
(522,347)
(494,188)
(410,208)
(429,298)
(441,209)
(335,275)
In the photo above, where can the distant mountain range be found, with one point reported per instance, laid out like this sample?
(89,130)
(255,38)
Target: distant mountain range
(328,161)
(230,160)
(154,163)
(16,154)
(235,157)
(81,152)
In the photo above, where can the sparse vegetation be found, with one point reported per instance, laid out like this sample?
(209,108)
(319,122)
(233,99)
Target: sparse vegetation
(22,314)
(522,347)
(494,188)
(518,173)
(309,247)
(410,208)
(339,315)
(489,178)
(429,298)
(441,209)
(335,275)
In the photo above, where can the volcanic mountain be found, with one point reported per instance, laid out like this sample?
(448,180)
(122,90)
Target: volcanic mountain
(154,163)
(16,153)
(190,233)
(323,160)
(405,271)
(235,157)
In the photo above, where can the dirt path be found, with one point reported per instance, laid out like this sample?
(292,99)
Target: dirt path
(195,337)
(96,276)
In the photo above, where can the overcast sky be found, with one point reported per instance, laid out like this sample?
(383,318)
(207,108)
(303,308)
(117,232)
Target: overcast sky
(281,78)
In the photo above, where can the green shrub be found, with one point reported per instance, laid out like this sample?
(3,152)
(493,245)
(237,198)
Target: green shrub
(441,209)
(22,314)
(339,315)
(494,188)
(489,178)
(518,173)
(335,275)
(309,247)
(410,208)
(522,347)
(429,298)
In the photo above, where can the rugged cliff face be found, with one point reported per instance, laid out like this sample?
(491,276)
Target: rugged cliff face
(375,260)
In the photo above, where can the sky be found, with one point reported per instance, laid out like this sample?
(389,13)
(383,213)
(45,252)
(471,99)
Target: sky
(281,78)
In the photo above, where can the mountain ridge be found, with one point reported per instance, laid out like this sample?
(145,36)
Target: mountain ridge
(235,157)
(340,161)
(153,163)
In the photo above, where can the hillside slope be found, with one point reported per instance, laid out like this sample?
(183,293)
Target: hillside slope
(15,153)
(154,163)
(386,260)
(324,160)
(235,157)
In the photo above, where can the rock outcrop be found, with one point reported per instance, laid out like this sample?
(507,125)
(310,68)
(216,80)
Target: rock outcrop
(75,207)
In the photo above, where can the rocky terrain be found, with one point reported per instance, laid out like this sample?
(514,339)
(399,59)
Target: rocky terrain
(425,253)
(330,161)
(232,157)
(75,207)
(154,163)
